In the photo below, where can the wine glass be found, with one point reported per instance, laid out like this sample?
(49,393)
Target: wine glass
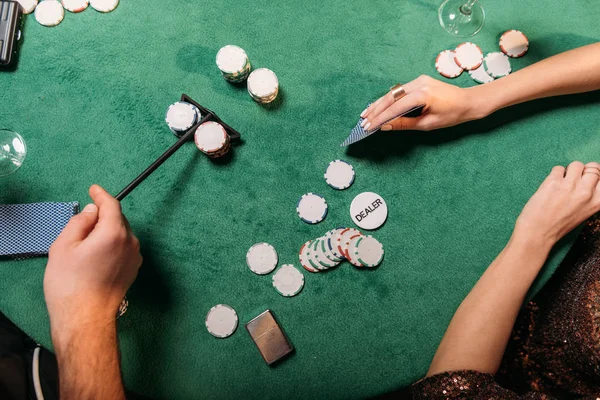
(12,151)
(461,18)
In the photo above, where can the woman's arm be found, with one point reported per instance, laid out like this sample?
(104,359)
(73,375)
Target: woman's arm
(479,331)
(574,71)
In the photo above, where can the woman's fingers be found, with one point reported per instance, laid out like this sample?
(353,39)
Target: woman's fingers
(386,101)
(574,171)
(591,175)
(400,107)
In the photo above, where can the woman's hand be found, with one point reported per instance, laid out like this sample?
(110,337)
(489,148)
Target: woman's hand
(565,199)
(445,105)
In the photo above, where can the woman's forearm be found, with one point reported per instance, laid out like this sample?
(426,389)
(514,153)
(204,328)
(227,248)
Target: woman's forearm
(480,329)
(574,71)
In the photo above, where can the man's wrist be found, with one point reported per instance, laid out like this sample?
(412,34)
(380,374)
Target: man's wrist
(70,327)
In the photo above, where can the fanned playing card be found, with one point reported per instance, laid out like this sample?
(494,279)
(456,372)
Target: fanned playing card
(28,230)
(358,133)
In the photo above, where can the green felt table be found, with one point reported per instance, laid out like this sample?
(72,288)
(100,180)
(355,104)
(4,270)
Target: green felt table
(89,97)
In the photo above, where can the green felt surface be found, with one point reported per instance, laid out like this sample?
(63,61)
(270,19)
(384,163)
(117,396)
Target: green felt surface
(89,97)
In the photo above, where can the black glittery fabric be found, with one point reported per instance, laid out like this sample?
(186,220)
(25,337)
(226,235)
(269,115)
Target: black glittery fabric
(554,350)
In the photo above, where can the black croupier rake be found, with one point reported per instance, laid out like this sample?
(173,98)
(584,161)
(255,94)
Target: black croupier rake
(207,115)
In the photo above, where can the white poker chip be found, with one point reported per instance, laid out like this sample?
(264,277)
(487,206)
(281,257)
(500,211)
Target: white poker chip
(288,281)
(263,83)
(312,208)
(28,5)
(446,66)
(328,249)
(368,251)
(333,236)
(75,6)
(351,253)
(104,6)
(221,321)
(49,13)
(479,75)
(181,116)
(261,258)
(514,43)
(339,175)
(468,56)
(305,257)
(368,210)
(321,256)
(313,257)
(344,239)
(210,137)
(231,59)
(497,64)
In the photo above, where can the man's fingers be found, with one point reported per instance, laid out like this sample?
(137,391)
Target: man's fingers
(109,208)
(79,227)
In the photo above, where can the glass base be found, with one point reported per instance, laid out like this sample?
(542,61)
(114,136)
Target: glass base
(459,20)
(12,151)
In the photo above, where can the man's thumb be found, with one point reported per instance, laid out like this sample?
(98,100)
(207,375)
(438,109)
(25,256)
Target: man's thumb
(80,226)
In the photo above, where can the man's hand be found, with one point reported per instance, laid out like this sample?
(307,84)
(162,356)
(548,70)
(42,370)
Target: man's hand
(90,267)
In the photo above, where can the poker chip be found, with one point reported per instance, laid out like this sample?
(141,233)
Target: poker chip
(263,85)
(212,139)
(479,75)
(328,249)
(28,5)
(514,43)
(351,251)
(368,251)
(368,210)
(468,56)
(288,281)
(104,6)
(497,64)
(234,64)
(181,116)
(344,238)
(312,208)
(339,175)
(446,65)
(261,258)
(49,13)
(361,251)
(332,238)
(221,321)
(318,248)
(304,257)
(75,6)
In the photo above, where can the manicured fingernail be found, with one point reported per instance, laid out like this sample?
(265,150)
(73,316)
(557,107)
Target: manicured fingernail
(366,127)
(362,114)
(386,128)
(362,124)
(90,208)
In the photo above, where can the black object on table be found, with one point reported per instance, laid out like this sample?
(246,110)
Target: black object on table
(208,115)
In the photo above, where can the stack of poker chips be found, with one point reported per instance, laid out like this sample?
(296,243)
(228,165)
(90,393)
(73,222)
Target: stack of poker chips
(338,245)
(212,139)
(263,85)
(234,64)
(181,116)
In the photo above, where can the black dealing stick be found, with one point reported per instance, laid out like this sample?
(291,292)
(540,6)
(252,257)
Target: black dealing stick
(207,115)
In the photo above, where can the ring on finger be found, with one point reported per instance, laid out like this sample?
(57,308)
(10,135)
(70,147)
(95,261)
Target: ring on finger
(397,91)
(594,171)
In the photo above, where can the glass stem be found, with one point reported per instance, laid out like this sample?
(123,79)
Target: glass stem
(466,8)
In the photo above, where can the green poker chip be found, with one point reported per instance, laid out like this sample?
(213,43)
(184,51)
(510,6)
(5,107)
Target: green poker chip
(369,251)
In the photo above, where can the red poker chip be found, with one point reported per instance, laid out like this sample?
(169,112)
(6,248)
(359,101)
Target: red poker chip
(468,56)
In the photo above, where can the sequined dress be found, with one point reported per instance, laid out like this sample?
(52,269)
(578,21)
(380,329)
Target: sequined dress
(554,350)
